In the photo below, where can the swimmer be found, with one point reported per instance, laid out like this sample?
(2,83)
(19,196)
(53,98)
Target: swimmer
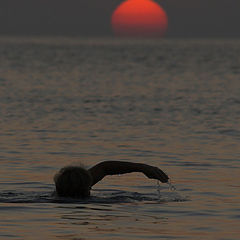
(76,182)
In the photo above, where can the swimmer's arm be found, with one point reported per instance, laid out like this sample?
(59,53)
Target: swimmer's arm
(103,169)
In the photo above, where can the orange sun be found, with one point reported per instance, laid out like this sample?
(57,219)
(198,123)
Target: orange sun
(139,18)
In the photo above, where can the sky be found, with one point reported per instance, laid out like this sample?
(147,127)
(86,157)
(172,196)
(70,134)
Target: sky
(187,18)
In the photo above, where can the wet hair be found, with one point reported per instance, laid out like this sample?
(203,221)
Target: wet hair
(73,181)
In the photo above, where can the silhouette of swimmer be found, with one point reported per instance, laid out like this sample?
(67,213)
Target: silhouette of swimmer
(76,182)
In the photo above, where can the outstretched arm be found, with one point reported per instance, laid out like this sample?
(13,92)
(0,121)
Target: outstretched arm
(103,169)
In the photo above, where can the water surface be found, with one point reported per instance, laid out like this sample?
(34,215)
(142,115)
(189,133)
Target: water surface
(173,103)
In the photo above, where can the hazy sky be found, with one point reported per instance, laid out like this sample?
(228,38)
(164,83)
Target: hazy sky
(187,18)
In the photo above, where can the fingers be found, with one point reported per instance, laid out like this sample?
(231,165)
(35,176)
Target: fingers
(156,173)
(162,176)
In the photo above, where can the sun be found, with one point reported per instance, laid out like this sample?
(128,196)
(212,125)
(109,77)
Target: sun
(139,18)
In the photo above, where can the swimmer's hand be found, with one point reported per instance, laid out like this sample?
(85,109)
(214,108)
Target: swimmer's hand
(99,171)
(155,173)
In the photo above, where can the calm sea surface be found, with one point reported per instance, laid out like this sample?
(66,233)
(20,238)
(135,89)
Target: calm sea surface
(174,104)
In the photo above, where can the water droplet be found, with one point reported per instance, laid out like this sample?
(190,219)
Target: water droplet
(158,190)
(171,187)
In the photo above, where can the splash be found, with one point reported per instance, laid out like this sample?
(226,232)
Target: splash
(171,187)
(158,190)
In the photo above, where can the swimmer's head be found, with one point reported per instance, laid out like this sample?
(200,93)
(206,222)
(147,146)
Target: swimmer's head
(73,182)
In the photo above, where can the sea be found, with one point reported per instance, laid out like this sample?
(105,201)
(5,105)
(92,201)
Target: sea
(170,103)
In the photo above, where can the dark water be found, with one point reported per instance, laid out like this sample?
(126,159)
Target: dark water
(174,104)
